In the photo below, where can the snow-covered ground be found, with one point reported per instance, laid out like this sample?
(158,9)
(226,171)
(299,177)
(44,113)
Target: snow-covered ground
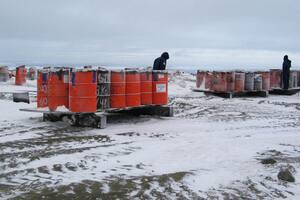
(212,148)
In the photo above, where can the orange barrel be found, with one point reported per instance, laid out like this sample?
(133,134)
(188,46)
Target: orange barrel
(275,78)
(160,87)
(42,89)
(239,85)
(258,82)
(83,91)
(200,79)
(58,89)
(103,89)
(133,88)
(219,82)
(4,74)
(20,75)
(293,79)
(208,81)
(230,81)
(146,87)
(265,80)
(117,89)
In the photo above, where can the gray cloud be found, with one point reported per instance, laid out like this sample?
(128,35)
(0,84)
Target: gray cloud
(227,33)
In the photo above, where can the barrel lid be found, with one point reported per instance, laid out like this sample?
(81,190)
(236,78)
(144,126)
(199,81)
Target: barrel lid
(57,69)
(102,69)
(146,69)
(84,70)
(160,71)
(118,70)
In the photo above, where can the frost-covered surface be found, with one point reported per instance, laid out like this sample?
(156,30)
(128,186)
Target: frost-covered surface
(211,149)
(8,87)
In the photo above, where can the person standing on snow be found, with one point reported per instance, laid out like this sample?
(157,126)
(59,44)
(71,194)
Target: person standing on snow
(160,63)
(286,72)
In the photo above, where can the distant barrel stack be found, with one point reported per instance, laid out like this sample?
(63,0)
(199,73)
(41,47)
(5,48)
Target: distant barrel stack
(89,90)
(4,74)
(239,81)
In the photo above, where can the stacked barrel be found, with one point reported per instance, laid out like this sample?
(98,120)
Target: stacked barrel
(58,88)
(233,81)
(89,90)
(83,91)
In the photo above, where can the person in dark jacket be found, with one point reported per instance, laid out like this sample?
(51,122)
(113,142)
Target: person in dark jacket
(286,72)
(161,62)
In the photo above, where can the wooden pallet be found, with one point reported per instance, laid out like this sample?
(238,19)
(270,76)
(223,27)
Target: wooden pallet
(99,119)
(280,91)
(234,94)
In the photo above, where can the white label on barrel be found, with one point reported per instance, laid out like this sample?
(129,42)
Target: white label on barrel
(161,76)
(161,88)
(66,78)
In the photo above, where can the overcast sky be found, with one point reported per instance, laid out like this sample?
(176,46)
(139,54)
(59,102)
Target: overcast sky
(200,33)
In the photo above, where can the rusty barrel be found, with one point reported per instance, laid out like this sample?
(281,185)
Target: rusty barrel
(249,81)
(219,82)
(146,87)
(160,87)
(20,75)
(58,88)
(230,81)
(83,91)
(200,79)
(103,89)
(265,75)
(4,74)
(258,82)
(133,88)
(42,89)
(117,89)
(239,85)
(293,79)
(208,81)
(275,78)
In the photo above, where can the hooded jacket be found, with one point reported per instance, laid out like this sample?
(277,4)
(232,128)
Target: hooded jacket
(160,63)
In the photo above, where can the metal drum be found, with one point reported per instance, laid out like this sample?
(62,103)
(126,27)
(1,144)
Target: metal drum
(258,82)
(239,85)
(117,89)
(249,81)
(293,79)
(133,88)
(58,88)
(275,78)
(42,88)
(21,75)
(4,74)
(200,79)
(103,89)
(160,87)
(83,91)
(146,87)
(230,81)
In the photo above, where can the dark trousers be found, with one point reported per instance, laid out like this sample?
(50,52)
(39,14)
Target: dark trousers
(286,80)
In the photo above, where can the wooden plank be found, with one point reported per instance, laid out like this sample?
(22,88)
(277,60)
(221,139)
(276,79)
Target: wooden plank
(238,94)
(280,91)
